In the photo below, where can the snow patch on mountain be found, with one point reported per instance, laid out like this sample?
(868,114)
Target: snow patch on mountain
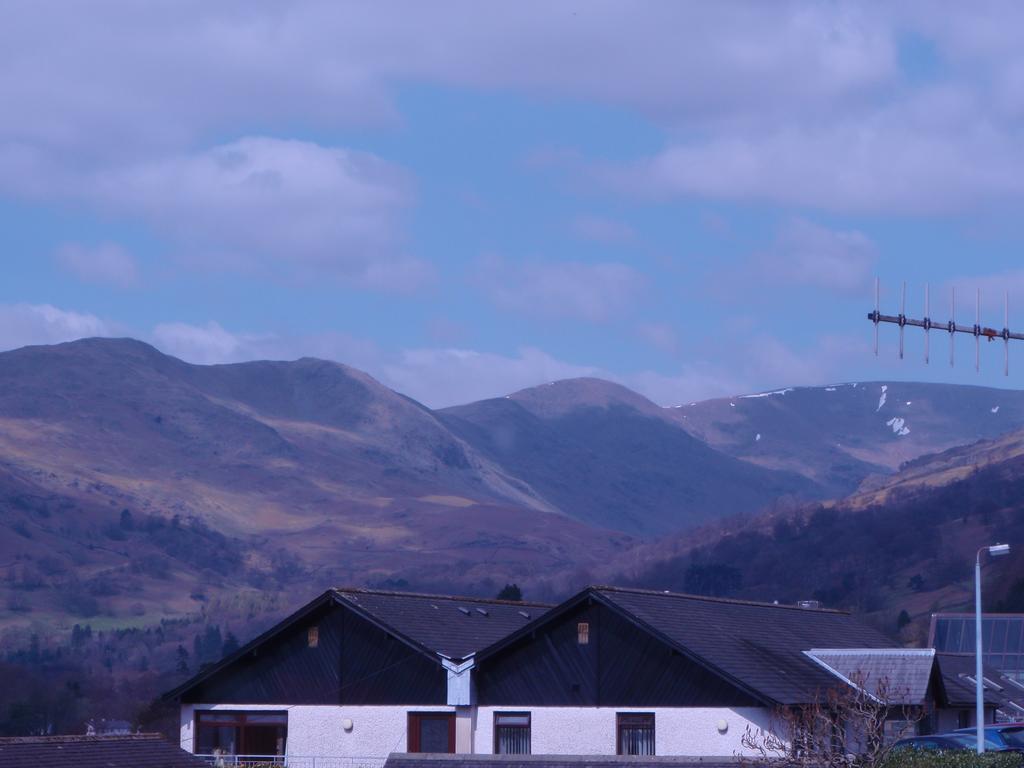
(898,426)
(881,400)
(767,394)
(757,437)
(996,409)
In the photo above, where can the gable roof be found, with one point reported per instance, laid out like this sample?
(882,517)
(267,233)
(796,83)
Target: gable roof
(897,675)
(142,750)
(453,627)
(759,647)
(435,625)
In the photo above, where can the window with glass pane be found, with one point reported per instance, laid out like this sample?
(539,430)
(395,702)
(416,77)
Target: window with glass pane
(511,733)
(431,732)
(241,733)
(635,733)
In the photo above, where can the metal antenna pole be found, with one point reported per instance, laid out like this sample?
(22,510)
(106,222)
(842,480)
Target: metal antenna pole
(903,314)
(927,322)
(875,318)
(952,324)
(977,332)
(1006,333)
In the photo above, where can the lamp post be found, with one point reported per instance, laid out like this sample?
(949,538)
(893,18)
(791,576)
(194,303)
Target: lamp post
(993,551)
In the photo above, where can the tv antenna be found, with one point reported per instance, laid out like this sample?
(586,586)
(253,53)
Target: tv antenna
(978,331)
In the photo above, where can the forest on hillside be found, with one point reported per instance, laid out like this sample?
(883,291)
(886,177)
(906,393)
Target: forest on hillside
(914,553)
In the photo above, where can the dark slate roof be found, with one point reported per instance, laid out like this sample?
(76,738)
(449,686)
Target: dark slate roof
(901,675)
(455,627)
(759,647)
(408,760)
(958,682)
(143,750)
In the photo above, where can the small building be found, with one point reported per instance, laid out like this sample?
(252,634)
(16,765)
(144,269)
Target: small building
(141,750)
(362,674)
(354,673)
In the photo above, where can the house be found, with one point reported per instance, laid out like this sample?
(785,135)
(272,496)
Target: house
(141,750)
(638,672)
(365,673)
(353,673)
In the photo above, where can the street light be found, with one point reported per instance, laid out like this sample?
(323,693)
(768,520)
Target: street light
(994,551)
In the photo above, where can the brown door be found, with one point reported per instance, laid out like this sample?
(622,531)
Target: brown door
(432,732)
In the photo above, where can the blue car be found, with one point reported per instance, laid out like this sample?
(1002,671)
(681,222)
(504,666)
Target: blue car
(1006,735)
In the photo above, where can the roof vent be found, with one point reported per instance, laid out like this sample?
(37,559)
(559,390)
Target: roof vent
(809,604)
(481,611)
(524,614)
(464,610)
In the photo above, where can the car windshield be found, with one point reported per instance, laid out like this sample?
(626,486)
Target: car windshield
(969,740)
(1014,737)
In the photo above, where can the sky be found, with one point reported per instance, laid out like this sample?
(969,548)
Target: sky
(464,199)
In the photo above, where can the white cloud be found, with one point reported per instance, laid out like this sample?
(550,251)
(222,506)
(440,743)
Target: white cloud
(287,207)
(443,377)
(938,149)
(101,263)
(593,292)
(806,253)
(112,79)
(26,324)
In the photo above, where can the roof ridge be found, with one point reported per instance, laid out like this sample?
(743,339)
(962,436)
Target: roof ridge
(709,599)
(431,596)
(83,737)
(874,651)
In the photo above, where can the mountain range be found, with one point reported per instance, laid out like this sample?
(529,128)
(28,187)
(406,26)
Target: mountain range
(135,485)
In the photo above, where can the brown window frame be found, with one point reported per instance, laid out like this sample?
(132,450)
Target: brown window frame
(622,718)
(528,728)
(240,721)
(413,732)
(583,633)
(313,636)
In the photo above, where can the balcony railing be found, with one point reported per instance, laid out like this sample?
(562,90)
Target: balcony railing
(292,761)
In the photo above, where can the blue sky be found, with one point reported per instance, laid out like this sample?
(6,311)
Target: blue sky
(690,198)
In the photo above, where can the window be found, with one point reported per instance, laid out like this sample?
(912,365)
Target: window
(241,733)
(583,633)
(313,637)
(511,733)
(635,733)
(432,732)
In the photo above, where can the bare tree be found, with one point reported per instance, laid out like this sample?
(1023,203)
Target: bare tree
(848,726)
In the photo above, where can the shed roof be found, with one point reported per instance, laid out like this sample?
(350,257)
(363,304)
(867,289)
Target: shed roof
(894,675)
(142,750)
(958,681)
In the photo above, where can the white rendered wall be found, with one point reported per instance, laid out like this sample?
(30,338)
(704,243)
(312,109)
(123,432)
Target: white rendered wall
(591,730)
(316,731)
